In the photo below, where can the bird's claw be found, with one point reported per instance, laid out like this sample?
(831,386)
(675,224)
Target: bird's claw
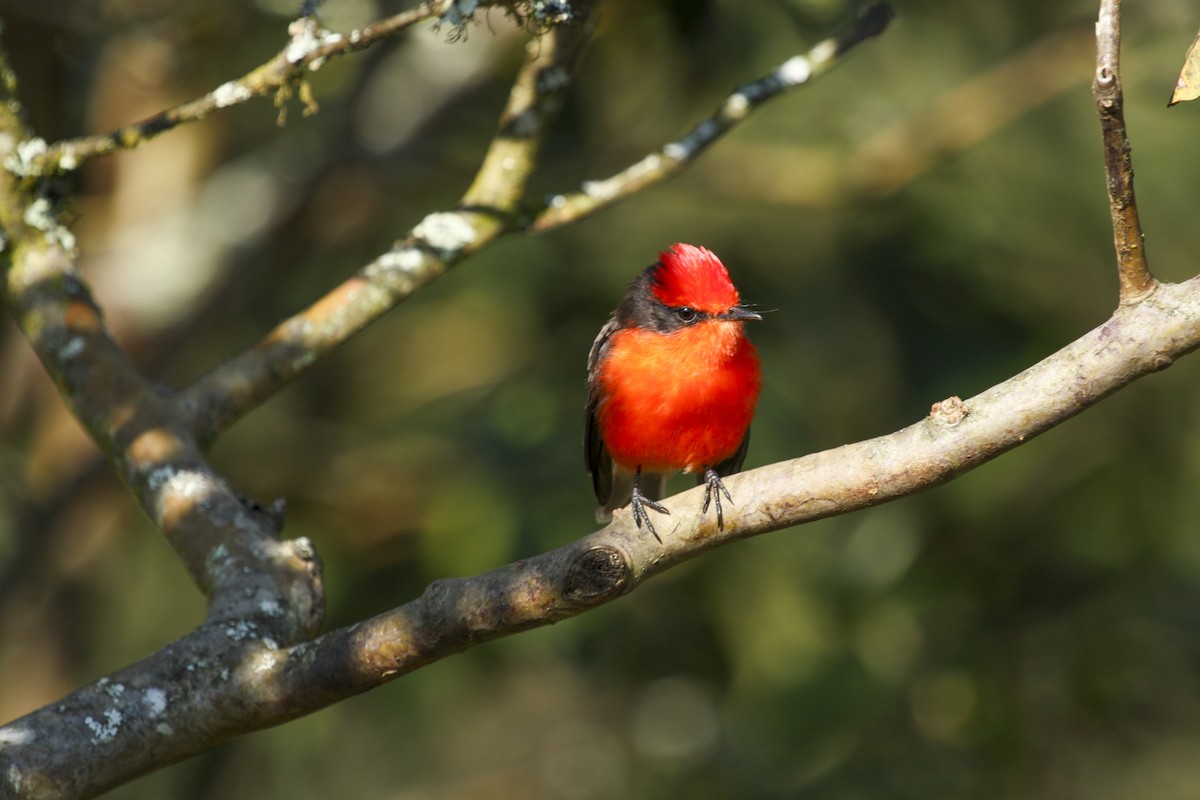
(639,504)
(713,489)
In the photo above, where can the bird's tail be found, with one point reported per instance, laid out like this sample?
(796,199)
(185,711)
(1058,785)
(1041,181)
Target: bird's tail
(653,486)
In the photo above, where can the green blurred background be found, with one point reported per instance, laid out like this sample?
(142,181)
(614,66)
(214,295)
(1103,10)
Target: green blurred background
(926,220)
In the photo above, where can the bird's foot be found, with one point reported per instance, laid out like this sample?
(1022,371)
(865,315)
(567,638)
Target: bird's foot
(713,489)
(639,503)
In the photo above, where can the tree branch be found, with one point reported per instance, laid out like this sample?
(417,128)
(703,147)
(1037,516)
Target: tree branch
(488,209)
(308,48)
(228,678)
(676,156)
(1133,273)
(437,243)
(136,424)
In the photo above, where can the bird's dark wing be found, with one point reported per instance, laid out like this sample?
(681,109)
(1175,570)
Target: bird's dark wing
(732,464)
(599,464)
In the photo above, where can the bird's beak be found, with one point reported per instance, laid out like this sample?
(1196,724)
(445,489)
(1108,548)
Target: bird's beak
(740,313)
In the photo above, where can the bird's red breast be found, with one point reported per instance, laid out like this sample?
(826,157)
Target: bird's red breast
(681,401)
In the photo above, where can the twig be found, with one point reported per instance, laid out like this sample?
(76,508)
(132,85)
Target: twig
(1133,273)
(674,157)
(308,49)
(224,680)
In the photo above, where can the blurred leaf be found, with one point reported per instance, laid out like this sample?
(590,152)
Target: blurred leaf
(1188,85)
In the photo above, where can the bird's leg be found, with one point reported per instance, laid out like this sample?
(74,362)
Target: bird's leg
(639,503)
(713,489)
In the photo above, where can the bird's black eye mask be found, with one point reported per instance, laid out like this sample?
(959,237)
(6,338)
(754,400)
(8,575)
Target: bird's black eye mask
(641,308)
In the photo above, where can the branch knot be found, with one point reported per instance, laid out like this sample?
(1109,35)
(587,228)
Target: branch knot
(598,574)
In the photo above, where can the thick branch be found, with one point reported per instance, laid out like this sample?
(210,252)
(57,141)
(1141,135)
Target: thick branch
(1133,273)
(214,530)
(235,680)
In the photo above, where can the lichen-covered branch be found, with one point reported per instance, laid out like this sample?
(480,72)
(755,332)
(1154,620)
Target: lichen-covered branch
(1133,273)
(137,424)
(229,678)
(438,242)
(309,47)
(676,156)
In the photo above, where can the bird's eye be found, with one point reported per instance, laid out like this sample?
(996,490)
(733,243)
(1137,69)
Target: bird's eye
(686,314)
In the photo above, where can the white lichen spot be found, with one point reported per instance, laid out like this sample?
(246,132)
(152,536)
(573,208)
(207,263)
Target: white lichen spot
(554,79)
(72,348)
(270,643)
(155,701)
(189,484)
(69,159)
(224,674)
(677,150)
(271,608)
(15,737)
(448,233)
(104,730)
(241,630)
(737,105)
(115,691)
(794,71)
(304,39)
(21,160)
(219,554)
(396,263)
(164,729)
(355,36)
(307,38)
(230,93)
(557,201)
(38,215)
(158,477)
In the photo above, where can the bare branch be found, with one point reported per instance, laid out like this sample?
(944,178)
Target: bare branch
(1133,273)
(226,679)
(307,50)
(676,156)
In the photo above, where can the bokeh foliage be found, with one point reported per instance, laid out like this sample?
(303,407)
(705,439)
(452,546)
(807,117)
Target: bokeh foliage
(1027,631)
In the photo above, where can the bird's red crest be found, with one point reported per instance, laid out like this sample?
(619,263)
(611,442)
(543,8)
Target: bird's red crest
(692,276)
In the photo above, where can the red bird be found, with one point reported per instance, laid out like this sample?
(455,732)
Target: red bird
(672,385)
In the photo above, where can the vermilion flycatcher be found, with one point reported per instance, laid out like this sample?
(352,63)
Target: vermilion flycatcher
(672,385)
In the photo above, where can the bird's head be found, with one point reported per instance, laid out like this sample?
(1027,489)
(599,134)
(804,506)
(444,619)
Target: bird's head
(692,277)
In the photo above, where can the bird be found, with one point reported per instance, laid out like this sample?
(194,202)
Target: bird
(673,382)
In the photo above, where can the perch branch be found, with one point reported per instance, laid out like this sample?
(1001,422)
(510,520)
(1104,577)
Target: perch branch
(226,679)
(1133,273)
